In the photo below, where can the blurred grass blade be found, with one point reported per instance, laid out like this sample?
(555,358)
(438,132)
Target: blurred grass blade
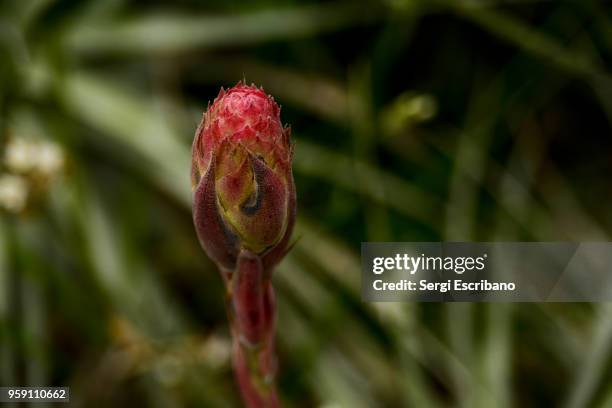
(339,383)
(362,122)
(526,38)
(170,34)
(334,257)
(382,187)
(496,356)
(129,285)
(591,373)
(402,321)
(6,355)
(130,121)
(35,328)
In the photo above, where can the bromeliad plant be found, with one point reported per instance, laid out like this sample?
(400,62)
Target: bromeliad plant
(244,207)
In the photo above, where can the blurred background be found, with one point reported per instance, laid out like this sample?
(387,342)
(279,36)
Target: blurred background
(414,120)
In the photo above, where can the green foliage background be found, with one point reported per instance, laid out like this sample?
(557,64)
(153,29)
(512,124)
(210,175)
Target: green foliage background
(413,120)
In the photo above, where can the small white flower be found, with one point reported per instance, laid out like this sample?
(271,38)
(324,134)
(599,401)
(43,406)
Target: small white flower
(216,350)
(13,192)
(50,158)
(20,155)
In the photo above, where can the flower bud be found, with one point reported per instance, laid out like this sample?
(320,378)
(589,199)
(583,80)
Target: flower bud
(244,194)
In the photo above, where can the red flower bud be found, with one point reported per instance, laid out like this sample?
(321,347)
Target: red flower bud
(244,194)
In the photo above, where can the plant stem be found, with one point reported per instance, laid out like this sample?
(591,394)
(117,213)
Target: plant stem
(252,312)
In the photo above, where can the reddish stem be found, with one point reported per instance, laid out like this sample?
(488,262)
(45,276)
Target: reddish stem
(252,316)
